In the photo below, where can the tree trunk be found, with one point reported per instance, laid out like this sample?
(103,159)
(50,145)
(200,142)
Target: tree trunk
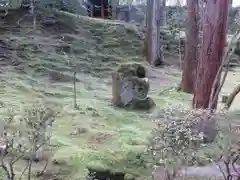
(230,19)
(230,4)
(191,47)
(162,13)
(212,49)
(146,41)
(154,52)
(114,4)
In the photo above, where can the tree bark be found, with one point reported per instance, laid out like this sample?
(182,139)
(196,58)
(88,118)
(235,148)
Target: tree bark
(212,49)
(191,47)
(114,4)
(162,13)
(230,4)
(154,52)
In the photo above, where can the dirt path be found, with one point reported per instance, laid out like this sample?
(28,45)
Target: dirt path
(161,78)
(232,80)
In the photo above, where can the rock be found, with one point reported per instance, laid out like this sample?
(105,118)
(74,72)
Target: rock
(50,20)
(148,103)
(224,98)
(129,177)
(79,131)
(130,87)
(207,127)
(211,170)
(104,174)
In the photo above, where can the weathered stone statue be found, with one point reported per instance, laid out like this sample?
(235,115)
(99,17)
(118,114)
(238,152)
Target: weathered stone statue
(130,87)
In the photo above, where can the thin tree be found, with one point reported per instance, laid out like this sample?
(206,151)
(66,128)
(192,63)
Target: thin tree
(113,5)
(32,6)
(74,67)
(212,51)
(162,13)
(152,41)
(191,47)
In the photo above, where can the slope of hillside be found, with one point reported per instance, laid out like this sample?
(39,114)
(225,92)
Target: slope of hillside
(93,42)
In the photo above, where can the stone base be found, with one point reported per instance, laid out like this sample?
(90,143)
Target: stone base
(130,87)
(146,104)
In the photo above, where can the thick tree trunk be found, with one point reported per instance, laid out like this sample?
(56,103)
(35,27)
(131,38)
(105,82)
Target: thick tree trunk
(212,49)
(191,47)
(154,53)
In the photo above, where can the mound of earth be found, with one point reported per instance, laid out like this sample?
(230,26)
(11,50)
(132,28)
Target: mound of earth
(88,45)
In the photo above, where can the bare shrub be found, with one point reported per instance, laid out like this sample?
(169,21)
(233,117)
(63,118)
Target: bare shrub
(172,140)
(23,135)
(180,136)
(230,154)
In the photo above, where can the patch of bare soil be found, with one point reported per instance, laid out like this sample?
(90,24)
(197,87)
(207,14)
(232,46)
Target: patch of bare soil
(5,52)
(56,76)
(56,170)
(100,138)
(79,131)
(161,77)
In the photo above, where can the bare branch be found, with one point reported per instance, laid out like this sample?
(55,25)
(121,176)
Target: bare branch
(234,165)
(25,169)
(225,62)
(27,139)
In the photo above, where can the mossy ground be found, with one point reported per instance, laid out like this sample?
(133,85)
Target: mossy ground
(38,65)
